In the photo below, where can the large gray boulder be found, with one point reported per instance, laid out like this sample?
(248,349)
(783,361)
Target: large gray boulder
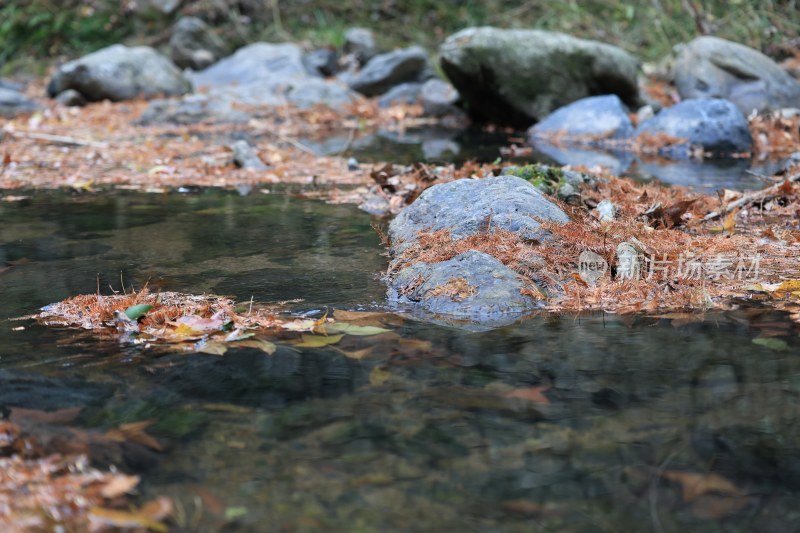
(520,76)
(716,125)
(193,44)
(710,67)
(258,62)
(384,71)
(472,286)
(13,103)
(464,206)
(259,75)
(120,73)
(587,121)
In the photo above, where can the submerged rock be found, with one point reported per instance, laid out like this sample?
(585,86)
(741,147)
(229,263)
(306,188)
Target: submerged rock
(384,71)
(520,76)
(710,67)
(717,126)
(586,121)
(193,44)
(471,286)
(120,73)
(13,103)
(463,206)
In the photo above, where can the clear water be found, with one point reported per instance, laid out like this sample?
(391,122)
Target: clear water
(426,432)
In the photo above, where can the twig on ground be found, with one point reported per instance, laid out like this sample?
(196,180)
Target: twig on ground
(60,139)
(752,197)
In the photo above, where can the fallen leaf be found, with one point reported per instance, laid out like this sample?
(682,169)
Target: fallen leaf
(378,376)
(306,324)
(213,348)
(134,432)
(103,517)
(532,394)
(265,346)
(119,485)
(317,341)
(694,485)
(352,329)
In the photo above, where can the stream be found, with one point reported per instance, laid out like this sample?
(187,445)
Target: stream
(563,423)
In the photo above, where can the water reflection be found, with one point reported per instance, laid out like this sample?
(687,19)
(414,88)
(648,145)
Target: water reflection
(557,423)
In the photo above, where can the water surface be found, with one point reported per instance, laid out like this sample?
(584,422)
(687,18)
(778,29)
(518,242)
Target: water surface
(556,423)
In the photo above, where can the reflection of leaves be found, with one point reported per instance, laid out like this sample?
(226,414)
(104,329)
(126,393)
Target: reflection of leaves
(352,329)
(778,345)
(317,341)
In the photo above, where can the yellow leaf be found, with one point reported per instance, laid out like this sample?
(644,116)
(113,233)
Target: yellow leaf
(790,285)
(379,376)
(213,348)
(317,341)
(729,223)
(352,329)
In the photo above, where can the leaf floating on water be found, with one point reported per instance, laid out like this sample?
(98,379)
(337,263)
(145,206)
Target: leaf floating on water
(777,345)
(118,486)
(135,312)
(352,329)
(306,324)
(213,348)
(317,341)
(197,324)
(265,346)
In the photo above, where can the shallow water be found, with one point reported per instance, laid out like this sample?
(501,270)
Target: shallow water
(556,423)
